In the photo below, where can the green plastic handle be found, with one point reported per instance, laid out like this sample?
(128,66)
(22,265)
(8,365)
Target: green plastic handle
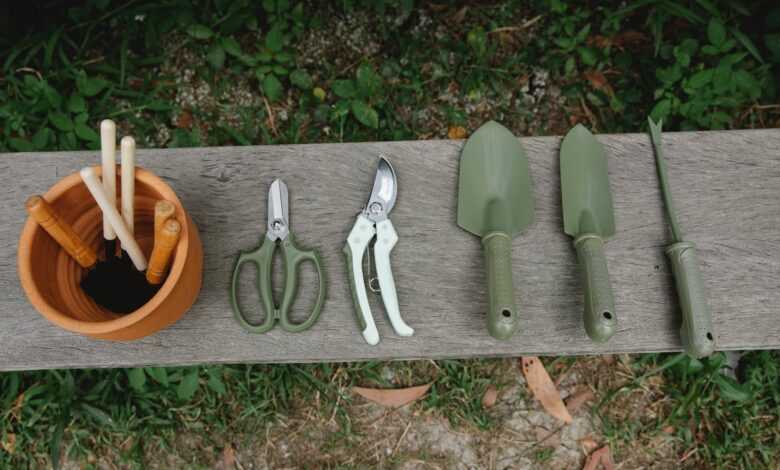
(599,316)
(696,330)
(502,314)
(293,257)
(263,259)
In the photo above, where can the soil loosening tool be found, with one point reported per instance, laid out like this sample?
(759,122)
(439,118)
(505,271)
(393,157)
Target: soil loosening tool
(696,329)
(164,244)
(373,223)
(495,202)
(46,216)
(108,161)
(588,217)
(116,221)
(278,234)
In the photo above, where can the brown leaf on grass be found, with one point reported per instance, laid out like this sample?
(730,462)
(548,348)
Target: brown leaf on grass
(228,457)
(630,38)
(599,458)
(599,41)
(395,397)
(546,438)
(9,443)
(668,429)
(588,444)
(543,388)
(16,411)
(579,398)
(184,121)
(460,15)
(456,132)
(490,396)
(598,81)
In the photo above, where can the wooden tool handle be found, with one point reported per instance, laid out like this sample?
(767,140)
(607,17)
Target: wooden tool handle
(163,210)
(127,148)
(163,249)
(63,234)
(108,160)
(110,213)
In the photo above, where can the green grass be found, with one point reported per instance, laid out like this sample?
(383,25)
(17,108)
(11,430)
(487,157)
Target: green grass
(537,66)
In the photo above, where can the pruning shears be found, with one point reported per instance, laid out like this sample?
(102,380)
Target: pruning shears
(373,224)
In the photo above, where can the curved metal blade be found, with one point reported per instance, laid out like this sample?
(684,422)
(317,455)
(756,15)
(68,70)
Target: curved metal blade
(585,194)
(278,211)
(495,191)
(383,193)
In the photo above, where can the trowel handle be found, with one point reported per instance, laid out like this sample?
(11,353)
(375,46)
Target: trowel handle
(696,330)
(502,314)
(599,316)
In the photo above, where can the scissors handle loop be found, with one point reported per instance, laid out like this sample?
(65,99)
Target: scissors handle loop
(262,258)
(293,257)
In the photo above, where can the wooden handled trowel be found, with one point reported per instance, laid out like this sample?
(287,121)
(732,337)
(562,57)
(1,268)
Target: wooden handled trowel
(495,202)
(589,218)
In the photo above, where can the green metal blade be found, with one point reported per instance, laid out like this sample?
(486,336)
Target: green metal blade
(585,194)
(495,192)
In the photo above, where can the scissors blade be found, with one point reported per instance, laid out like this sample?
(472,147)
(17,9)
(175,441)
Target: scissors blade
(383,193)
(278,211)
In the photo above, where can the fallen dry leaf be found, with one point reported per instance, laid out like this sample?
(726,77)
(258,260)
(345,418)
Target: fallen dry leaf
(668,430)
(578,399)
(598,81)
(394,397)
(456,132)
(9,443)
(600,457)
(490,396)
(460,15)
(184,121)
(546,438)
(228,457)
(543,389)
(588,444)
(630,38)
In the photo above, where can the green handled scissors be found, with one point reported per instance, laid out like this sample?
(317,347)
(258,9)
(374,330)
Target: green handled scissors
(262,257)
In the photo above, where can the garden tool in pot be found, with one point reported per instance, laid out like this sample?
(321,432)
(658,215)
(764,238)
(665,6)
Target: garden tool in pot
(373,223)
(495,202)
(696,330)
(589,218)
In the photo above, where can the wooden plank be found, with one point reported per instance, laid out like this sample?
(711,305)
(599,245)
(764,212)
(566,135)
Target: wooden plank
(726,187)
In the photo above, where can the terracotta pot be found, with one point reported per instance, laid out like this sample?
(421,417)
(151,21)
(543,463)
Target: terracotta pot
(51,278)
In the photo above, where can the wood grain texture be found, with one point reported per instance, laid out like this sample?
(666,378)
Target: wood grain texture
(726,186)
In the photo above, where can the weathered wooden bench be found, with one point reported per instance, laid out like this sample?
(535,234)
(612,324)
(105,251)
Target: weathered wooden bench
(726,185)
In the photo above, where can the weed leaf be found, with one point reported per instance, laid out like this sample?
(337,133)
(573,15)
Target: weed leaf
(365,114)
(199,31)
(137,378)
(188,385)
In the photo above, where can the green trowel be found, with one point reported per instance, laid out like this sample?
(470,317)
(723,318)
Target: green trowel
(696,330)
(495,202)
(589,218)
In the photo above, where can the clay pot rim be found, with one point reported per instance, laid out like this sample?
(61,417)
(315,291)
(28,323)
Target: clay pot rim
(86,327)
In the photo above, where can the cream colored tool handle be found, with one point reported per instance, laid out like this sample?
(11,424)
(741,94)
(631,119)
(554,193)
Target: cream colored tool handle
(127,148)
(163,210)
(109,212)
(62,233)
(108,160)
(357,242)
(164,244)
(386,238)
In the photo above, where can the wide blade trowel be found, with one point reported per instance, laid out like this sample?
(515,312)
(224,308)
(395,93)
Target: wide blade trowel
(495,202)
(589,218)
(696,330)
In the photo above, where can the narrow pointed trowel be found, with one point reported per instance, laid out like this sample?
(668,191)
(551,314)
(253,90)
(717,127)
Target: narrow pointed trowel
(696,330)
(588,216)
(495,202)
